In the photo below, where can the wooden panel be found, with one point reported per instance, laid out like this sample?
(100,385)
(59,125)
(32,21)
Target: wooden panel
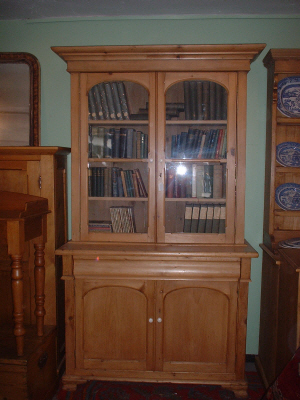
(198,325)
(122,308)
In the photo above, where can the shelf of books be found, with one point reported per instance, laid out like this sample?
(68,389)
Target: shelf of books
(118,141)
(196,158)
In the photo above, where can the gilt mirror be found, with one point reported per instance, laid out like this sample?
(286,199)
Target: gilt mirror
(19,100)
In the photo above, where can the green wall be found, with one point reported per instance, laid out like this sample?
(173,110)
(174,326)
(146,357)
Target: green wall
(37,36)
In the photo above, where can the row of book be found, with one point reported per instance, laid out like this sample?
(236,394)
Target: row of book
(204,218)
(115,182)
(122,219)
(108,101)
(204,100)
(117,143)
(196,181)
(199,144)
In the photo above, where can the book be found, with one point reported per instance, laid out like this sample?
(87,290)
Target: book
(205,96)
(202,218)
(122,219)
(110,101)
(123,100)
(193,99)
(208,181)
(199,98)
(209,218)
(186,92)
(104,104)
(141,186)
(170,181)
(216,219)
(200,173)
(92,106)
(218,108)
(129,144)
(123,142)
(222,218)
(98,104)
(116,100)
(217,181)
(100,226)
(212,100)
(187,218)
(195,218)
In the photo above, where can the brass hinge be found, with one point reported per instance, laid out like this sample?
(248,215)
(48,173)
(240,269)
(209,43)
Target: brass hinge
(40,182)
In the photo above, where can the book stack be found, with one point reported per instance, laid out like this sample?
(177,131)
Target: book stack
(100,226)
(199,181)
(199,144)
(108,100)
(204,100)
(204,218)
(122,219)
(115,182)
(117,143)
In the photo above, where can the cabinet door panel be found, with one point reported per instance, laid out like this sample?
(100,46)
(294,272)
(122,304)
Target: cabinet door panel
(198,326)
(113,329)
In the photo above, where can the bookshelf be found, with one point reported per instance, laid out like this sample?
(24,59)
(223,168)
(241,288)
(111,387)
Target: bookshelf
(279,326)
(158,188)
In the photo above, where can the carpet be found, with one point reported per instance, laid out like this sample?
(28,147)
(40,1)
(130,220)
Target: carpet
(98,390)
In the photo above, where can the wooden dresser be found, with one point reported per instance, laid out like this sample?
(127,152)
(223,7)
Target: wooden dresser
(39,171)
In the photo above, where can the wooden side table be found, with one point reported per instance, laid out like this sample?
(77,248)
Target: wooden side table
(25,218)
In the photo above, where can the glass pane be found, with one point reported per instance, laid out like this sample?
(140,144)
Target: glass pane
(118,158)
(196,152)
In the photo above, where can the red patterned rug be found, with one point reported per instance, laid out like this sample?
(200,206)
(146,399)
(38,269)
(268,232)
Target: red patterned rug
(98,390)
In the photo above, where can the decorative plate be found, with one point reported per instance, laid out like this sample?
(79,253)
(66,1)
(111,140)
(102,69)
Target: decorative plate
(288,96)
(287,196)
(288,154)
(290,243)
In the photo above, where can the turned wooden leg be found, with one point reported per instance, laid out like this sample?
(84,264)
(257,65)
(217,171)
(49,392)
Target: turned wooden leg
(39,276)
(17,293)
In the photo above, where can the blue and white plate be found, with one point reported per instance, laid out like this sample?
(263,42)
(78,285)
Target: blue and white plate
(288,154)
(288,96)
(293,243)
(287,196)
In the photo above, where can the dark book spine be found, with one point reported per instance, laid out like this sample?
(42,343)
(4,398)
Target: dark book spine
(205,94)
(190,143)
(116,100)
(129,146)
(123,99)
(224,104)
(110,101)
(108,143)
(193,99)
(123,142)
(101,90)
(92,106)
(174,146)
(114,178)
(98,104)
(183,144)
(116,147)
(199,97)
(212,100)
(218,102)
(186,92)
(90,182)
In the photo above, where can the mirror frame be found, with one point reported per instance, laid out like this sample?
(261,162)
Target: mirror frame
(34,68)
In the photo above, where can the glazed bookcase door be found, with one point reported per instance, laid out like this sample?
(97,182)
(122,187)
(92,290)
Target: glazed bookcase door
(117,157)
(196,172)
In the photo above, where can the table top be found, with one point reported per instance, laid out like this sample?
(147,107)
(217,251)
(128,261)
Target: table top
(19,205)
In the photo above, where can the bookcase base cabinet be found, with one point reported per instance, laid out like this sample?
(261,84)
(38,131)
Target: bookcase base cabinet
(156,313)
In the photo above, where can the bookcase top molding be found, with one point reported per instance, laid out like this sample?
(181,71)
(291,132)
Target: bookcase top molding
(159,58)
(283,60)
